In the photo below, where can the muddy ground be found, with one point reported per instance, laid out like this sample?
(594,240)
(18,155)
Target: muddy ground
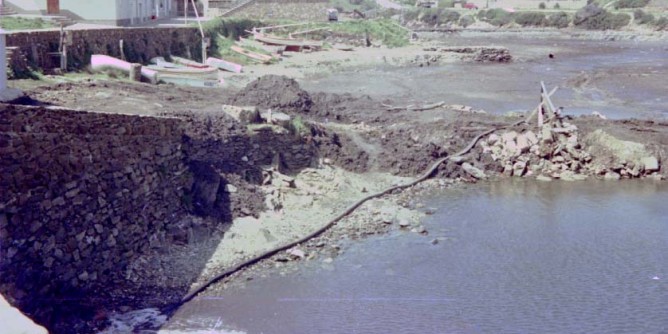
(366,143)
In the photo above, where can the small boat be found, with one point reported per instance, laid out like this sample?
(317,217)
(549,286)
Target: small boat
(252,55)
(273,49)
(188,62)
(185,72)
(291,44)
(224,65)
(104,62)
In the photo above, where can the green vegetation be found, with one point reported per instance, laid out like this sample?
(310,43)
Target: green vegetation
(298,127)
(350,5)
(224,32)
(631,3)
(20,23)
(605,21)
(466,20)
(640,17)
(542,5)
(496,16)
(434,16)
(387,31)
(661,24)
(535,19)
(556,6)
(558,20)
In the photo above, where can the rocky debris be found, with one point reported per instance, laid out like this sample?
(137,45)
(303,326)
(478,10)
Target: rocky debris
(244,115)
(473,171)
(278,118)
(478,53)
(553,152)
(296,253)
(615,158)
(274,92)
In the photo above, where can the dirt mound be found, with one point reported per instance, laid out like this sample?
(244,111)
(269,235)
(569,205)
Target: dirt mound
(276,92)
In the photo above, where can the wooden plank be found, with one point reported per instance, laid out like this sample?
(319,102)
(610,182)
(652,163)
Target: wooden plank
(250,54)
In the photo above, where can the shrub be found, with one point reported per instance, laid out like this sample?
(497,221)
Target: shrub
(541,5)
(631,3)
(605,21)
(411,14)
(558,20)
(435,16)
(556,6)
(641,17)
(661,24)
(530,19)
(466,20)
(496,16)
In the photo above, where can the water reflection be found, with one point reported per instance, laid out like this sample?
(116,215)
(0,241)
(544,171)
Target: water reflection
(527,257)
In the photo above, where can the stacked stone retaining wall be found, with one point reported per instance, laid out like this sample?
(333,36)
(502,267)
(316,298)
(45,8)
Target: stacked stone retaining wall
(82,194)
(139,45)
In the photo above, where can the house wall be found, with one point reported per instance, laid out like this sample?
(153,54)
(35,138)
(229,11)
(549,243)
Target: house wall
(96,10)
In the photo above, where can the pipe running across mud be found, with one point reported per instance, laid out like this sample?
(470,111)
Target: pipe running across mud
(331,223)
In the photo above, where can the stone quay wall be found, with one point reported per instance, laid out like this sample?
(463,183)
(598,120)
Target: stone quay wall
(81,195)
(139,45)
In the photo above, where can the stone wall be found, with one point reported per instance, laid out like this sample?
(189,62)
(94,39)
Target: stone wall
(139,45)
(82,194)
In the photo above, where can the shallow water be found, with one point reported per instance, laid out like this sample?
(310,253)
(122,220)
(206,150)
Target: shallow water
(514,257)
(620,79)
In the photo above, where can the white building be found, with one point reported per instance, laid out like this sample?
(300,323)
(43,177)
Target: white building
(116,12)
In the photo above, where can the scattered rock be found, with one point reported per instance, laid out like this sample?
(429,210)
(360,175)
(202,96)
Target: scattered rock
(297,253)
(473,171)
(230,188)
(612,176)
(404,223)
(543,178)
(434,241)
(650,164)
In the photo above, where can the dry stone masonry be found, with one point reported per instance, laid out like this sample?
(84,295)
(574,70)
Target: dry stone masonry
(82,193)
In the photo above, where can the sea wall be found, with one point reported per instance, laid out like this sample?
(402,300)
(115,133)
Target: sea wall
(139,45)
(82,194)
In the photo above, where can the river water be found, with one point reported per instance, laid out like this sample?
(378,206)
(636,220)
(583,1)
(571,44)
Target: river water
(620,79)
(514,257)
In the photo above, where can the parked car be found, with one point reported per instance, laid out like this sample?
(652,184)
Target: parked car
(469,5)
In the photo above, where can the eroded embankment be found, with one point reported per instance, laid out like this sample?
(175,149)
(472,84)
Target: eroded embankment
(94,187)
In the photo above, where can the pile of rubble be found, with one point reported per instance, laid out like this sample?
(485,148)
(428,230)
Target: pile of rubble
(477,53)
(553,152)
(556,152)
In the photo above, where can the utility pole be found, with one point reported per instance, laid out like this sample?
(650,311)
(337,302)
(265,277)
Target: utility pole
(3,62)
(205,41)
(185,10)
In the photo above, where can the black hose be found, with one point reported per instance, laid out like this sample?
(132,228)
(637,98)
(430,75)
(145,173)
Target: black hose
(324,228)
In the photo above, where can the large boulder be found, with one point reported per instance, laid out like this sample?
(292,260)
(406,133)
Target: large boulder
(613,153)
